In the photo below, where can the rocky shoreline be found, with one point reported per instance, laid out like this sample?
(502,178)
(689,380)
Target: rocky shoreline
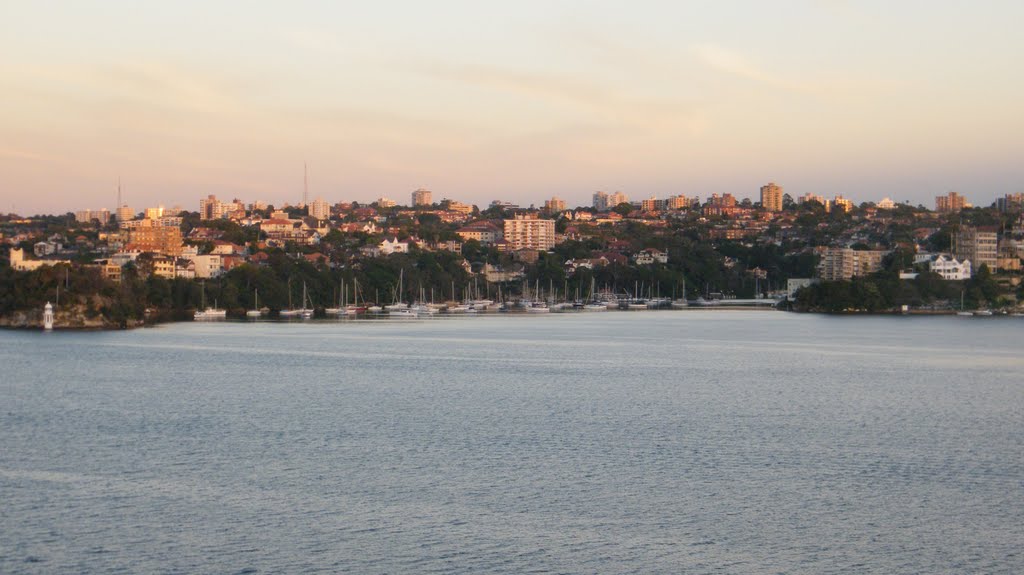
(75,318)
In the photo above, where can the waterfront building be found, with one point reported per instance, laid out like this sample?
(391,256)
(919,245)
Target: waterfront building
(846,263)
(795,284)
(422,197)
(951,202)
(600,202)
(951,269)
(1009,255)
(886,204)
(980,245)
(527,231)
(771,197)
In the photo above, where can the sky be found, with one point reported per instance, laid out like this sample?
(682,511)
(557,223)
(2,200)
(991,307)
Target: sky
(517,101)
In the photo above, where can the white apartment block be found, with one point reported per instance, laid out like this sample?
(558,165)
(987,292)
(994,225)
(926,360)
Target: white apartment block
(845,263)
(527,232)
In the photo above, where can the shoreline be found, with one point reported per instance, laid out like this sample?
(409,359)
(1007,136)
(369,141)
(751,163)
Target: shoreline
(21,321)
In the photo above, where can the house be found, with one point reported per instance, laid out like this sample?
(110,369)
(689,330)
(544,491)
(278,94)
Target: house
(485,231)
(951,269)
(19,263)
(495,274)
(367,227)
(589,263)
(650,256)
(207,266)
(391,245)
(221,247)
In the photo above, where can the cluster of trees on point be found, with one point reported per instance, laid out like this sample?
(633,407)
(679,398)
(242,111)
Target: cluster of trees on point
(884,291)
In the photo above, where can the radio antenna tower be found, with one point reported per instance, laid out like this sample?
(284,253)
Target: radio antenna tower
(305,185)
(118,192)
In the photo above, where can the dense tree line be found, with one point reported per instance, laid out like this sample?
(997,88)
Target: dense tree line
(884,291)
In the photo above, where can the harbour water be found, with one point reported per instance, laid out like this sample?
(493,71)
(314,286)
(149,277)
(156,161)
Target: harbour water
(659,442)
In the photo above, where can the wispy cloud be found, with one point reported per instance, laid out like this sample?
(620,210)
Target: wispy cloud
(735,64)
(15,154)
(587,101)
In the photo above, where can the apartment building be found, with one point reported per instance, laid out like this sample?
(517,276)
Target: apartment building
(846,263)
(527,231)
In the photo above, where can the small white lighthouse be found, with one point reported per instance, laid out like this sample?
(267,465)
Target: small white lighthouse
(48,316)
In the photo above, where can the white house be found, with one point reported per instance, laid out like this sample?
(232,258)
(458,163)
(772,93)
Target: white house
(649,256)
(391,245)
(950,269)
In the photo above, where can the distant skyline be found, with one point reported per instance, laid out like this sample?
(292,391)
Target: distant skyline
(518,102)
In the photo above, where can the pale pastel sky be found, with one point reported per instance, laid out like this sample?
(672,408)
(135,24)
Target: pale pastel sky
(517,101)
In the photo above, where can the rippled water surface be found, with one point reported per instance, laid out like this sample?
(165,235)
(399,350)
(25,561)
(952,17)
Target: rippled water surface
(660,442)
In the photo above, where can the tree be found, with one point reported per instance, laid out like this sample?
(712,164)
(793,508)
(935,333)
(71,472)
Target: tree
(623,209)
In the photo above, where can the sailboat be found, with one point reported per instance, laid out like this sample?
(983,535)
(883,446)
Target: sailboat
(291,311)
(397,306)
(538,305)
(255,312)
(341,309)
(592,303)
(303,312)
(306,312)
(354,307)
(205,313)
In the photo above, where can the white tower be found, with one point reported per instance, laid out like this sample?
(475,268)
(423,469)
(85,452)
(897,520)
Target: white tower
(48,316)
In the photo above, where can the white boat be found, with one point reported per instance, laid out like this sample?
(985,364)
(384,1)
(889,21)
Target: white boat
(303,312)
(538,307)
(211,313)
(206,313)
(983,312)
(595,307)
(423,309)
(374,309)
(401,313)
(342,309)
(255,312)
